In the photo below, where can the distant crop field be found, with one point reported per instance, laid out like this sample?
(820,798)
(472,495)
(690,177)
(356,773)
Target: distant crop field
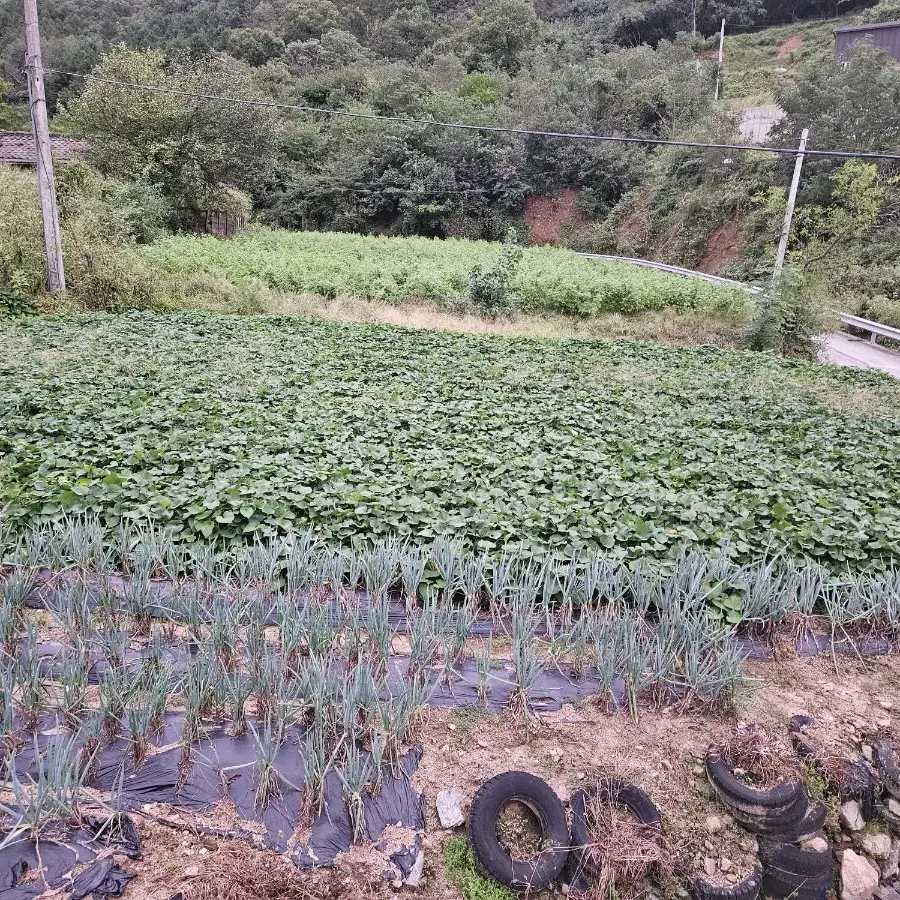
(399,269)
(227,427)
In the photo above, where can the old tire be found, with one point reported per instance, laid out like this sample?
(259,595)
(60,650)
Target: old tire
(857,782)
(808,827)
(542,870)
(888,767)
(761,811)
(615,792)
(790,873)
(748,889)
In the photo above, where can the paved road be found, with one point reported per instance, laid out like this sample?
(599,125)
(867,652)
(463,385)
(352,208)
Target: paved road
(845,350)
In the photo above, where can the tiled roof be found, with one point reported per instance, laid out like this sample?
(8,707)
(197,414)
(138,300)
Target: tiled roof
(17,147)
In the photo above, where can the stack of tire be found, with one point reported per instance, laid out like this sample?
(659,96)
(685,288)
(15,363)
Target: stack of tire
(782,818)
(856,782)
(877,792)
(563,850)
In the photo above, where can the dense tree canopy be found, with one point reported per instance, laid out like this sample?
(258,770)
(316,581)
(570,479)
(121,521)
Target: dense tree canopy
(194,151)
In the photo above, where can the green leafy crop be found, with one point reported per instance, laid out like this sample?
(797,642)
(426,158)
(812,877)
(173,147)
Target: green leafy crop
(406,269)
(228,428)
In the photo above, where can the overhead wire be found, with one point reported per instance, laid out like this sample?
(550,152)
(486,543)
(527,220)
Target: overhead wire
(484,129)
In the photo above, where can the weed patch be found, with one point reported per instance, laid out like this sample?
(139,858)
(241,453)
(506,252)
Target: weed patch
(462,872)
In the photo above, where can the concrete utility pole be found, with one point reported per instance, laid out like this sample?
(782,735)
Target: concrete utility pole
(56,278)
(721,59)
(789,215)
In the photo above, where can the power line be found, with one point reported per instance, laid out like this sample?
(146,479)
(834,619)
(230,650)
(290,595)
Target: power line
(485,129)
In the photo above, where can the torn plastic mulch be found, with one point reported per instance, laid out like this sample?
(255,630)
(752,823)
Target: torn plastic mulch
(28,870)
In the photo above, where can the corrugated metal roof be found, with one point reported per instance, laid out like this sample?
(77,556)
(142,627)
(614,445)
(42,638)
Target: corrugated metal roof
(17,148)
(847,29)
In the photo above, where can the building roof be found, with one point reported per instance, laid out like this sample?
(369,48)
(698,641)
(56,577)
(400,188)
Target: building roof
(849,29)
(17,148)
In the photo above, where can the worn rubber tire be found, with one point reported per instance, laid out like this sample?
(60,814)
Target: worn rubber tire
(761,811)
(533,874)
(748,889)
(613,791)
(808,827)
(888,766)
(858,784)
(790,873)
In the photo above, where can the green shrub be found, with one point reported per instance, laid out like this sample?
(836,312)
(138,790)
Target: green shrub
(881,309)
(21,240)
(786,320)
(489,289)
(103,270)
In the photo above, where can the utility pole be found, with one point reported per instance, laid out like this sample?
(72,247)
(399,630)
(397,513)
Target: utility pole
(789,215)
(56,278)
(721,59)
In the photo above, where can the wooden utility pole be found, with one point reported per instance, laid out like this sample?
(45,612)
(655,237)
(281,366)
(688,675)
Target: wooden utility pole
(789,215)
(56,278)
(721,59)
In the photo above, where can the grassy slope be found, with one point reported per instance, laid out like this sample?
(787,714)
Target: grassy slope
(229,425)
(755,72)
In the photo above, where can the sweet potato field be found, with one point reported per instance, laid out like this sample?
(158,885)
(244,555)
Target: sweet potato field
(228,429)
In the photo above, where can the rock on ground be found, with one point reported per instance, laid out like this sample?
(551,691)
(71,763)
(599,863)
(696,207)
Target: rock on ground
(859,877)
(414,879)
(890,868)
(852,817)
(876,846)
(815,845)
(449,808)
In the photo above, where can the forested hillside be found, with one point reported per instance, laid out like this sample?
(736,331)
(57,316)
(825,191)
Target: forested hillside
(633,67)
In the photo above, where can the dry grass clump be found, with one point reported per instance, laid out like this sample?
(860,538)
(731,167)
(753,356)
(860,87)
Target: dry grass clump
(754,756)
(838,772)
(679,328)
(519,832)
(241,873)
(625,853)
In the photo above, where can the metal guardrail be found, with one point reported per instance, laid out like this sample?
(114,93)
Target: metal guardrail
(874,328)
(674,270)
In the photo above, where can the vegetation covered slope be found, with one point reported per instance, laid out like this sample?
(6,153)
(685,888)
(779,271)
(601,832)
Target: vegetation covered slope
(229,427)
(643,68)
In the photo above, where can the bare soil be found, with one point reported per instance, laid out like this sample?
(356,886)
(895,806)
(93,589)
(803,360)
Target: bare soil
(790,46)
(724,247)
(547,215)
